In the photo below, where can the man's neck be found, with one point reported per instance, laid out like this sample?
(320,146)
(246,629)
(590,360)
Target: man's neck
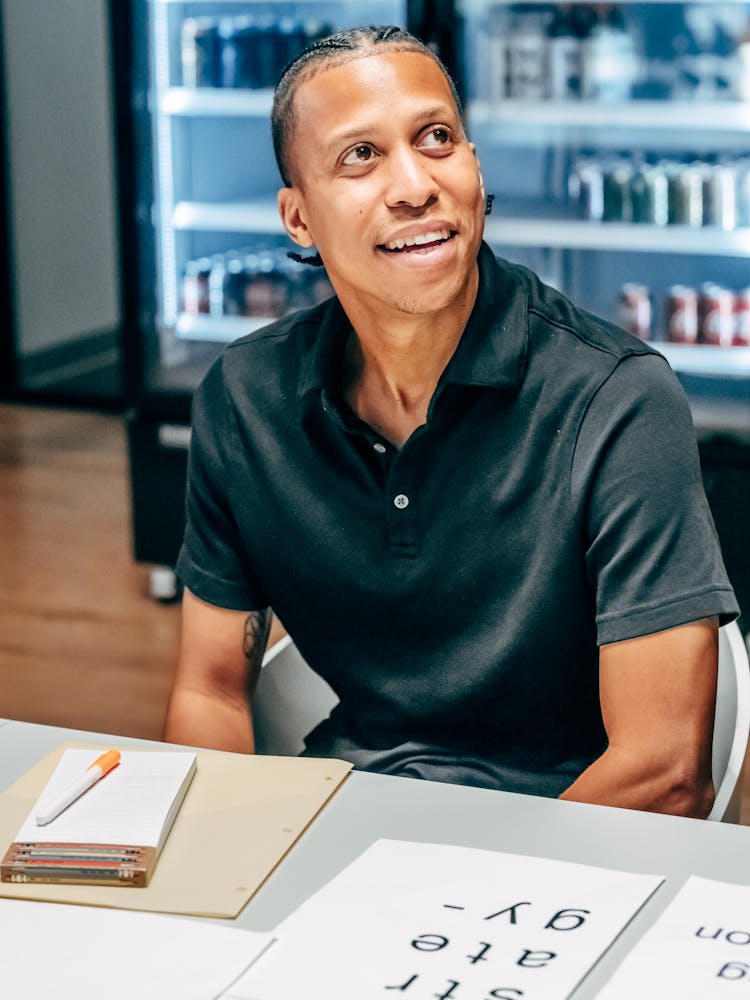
(394,363)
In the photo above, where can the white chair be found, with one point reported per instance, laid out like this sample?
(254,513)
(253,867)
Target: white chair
(291,700)
(731,724)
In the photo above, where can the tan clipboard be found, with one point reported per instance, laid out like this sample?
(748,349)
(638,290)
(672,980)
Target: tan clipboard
(240,817)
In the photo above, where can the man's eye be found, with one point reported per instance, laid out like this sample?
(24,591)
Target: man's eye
(435,138)
(358,155)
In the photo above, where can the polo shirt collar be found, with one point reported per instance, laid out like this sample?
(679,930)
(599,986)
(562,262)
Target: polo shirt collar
(492,349)
(322,365)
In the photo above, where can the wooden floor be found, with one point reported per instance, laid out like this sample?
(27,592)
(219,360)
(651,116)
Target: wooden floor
(82,644)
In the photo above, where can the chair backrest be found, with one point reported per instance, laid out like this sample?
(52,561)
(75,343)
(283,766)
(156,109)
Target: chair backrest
(289,701)
(731,724)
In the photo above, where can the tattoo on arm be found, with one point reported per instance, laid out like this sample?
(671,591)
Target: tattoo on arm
(257,627)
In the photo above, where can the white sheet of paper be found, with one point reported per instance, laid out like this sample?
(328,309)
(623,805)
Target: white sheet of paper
(121,808)
(426,921)
(87,953)
(698,949)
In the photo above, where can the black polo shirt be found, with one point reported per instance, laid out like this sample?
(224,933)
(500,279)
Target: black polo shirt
(453,592)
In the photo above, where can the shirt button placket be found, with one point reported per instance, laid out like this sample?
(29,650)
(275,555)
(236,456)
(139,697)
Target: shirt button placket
(402,503)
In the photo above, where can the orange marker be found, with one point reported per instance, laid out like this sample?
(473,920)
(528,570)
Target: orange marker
(101,766)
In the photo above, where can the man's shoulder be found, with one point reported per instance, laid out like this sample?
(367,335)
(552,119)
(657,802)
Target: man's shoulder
(553,315)
(273,355)
(292,333)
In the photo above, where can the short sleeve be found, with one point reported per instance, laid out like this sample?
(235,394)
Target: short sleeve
(213,561)
(652,553)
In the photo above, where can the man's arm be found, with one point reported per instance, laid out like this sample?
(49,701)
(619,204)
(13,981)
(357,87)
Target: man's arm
(658,696)
(220,658)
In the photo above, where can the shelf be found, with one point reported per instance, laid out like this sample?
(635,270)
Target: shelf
(725,362)
(683,116)
(574,234)
(582,235)
(229,217)
(227,3)
(480,6)
(729,116)
(221,329)
(216,102)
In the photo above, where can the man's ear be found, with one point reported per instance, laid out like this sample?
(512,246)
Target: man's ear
(479,171)
(293,216)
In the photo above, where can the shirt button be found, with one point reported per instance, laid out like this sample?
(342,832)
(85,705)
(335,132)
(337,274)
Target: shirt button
(401,501)
(379,448)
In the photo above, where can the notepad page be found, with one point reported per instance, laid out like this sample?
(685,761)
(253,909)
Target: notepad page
(130,805)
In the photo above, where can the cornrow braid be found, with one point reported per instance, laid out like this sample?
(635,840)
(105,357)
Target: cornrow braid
(330,51)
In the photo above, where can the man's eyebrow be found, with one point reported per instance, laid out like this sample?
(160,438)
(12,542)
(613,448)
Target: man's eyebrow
(438,112)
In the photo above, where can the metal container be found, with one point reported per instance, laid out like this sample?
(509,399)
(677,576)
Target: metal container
(634,310)
(716,320)
(682,314)
(685,185)
(720,196)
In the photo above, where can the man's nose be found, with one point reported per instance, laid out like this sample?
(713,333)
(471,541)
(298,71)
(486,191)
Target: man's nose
(410,181)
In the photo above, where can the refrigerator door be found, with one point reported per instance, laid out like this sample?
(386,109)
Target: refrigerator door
(615,139)
(203,250)
(211,258)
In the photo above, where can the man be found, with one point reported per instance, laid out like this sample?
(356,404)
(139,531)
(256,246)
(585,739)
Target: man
(477,510)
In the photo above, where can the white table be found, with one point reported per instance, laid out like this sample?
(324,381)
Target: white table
(370,806)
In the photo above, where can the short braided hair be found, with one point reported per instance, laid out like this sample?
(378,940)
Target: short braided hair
(332,51)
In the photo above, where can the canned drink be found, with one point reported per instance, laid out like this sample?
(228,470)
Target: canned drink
(527,55)
(195,292)
(634,310)
(216,285)
(682,314)
(720,196)
(742,193)
(587,187)
(239,63)
(234,287)
(741,336)
(649,195)
(494,42)
(617,205)
(190,288)
(292,39)
(715,315)
(685,187)
(266,291)
(316,31)
(200,52)
(267,51)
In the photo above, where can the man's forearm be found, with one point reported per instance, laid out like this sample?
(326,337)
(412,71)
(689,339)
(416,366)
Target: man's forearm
(620,779)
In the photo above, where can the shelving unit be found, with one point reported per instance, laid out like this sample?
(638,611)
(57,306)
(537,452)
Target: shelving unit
(228,217)
(570,234)
(205,204)
(726,116)
(528,145)
(218,102)
(527,148)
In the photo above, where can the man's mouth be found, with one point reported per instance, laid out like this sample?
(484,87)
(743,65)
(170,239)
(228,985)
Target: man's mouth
(418,243)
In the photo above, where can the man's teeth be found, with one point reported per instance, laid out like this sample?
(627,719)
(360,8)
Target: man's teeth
(437,236)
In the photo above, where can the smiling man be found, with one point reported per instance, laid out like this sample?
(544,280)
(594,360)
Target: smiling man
(477,509)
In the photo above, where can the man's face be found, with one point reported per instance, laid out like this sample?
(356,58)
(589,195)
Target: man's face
(386,184)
